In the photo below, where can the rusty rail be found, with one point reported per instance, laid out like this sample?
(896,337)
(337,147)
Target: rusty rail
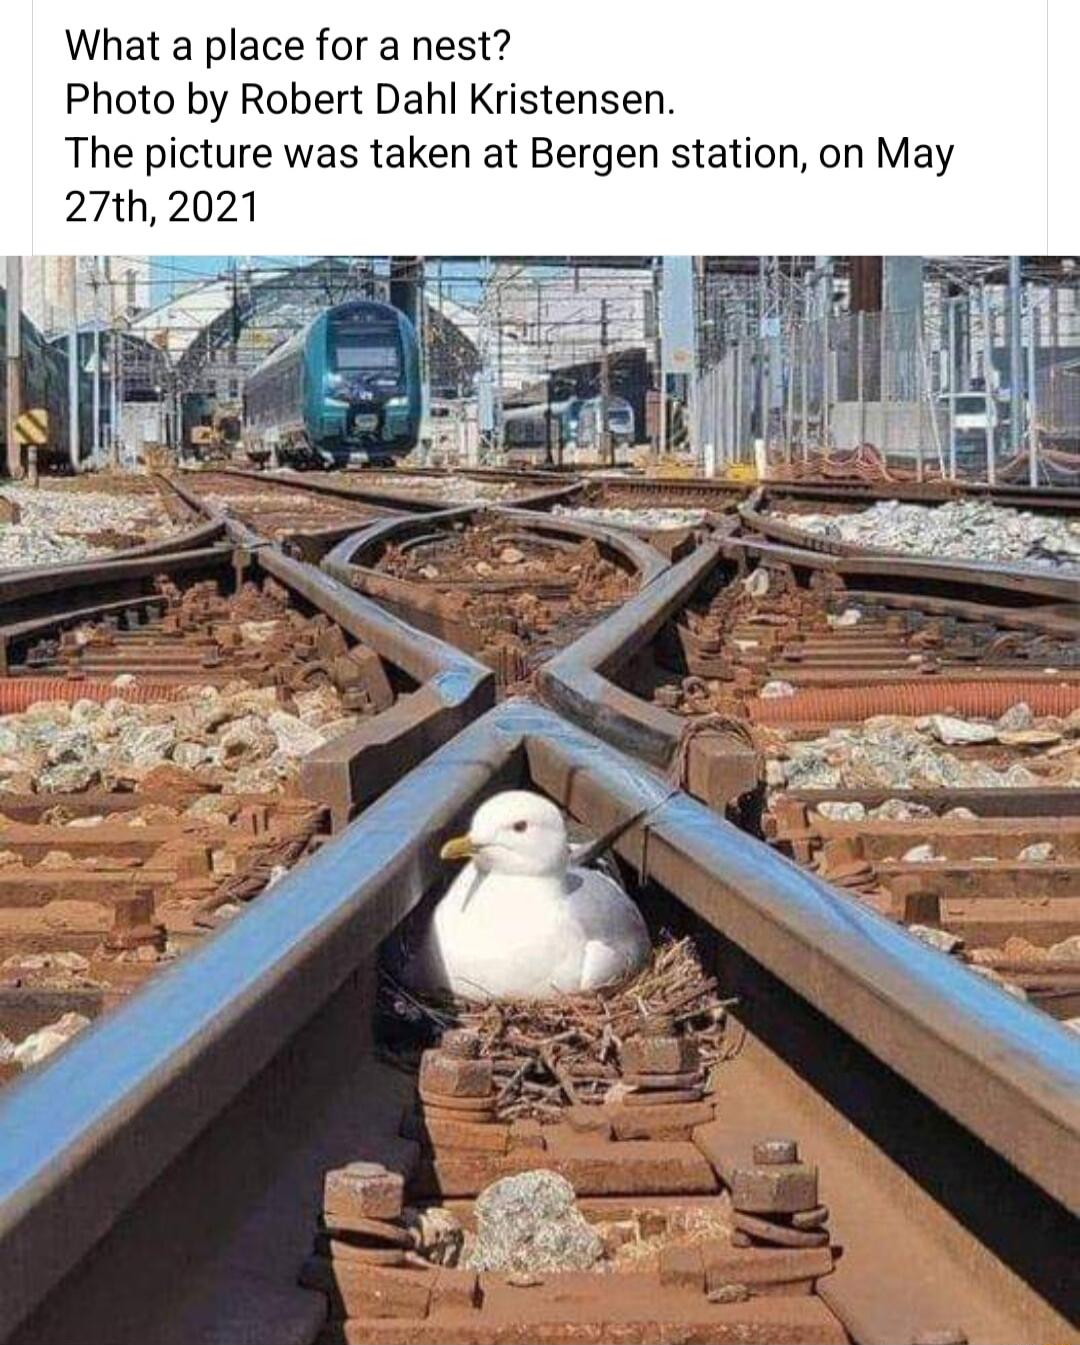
(353,562)
(446,687)
(376,497)
(713,763)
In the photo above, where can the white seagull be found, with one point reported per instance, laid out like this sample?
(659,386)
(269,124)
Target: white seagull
(521,920)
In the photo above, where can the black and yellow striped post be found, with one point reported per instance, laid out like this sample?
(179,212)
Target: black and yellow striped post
(32,433)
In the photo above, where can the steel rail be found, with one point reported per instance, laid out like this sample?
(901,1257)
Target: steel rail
(191,539)
(376,497)
(452,689)
(89,1132)
(347,560)
(580,682)
(35,594)
(446,688)
(1060,498)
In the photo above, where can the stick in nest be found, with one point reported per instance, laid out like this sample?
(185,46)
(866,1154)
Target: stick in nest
(568,1046)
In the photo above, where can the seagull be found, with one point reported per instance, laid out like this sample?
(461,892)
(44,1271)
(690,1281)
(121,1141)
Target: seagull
(523,920)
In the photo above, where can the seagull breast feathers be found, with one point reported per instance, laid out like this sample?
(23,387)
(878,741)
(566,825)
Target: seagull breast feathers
(613,939)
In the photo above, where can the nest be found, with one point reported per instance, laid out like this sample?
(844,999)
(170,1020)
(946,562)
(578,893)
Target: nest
(548,1053)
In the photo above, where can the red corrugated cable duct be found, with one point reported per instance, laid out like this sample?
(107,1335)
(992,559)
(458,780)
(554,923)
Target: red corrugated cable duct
(976,700)
(19,693)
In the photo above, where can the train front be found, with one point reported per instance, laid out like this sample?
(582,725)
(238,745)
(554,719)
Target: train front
(370,404)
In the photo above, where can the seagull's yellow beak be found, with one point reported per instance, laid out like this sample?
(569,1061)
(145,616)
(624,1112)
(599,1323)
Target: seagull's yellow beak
(459,848)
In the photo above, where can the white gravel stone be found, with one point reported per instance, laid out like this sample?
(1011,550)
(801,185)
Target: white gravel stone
(900,810)
(1068,950)
(963,529)
(952,731)
(42,1043)
(242,739)
(891,753)
(1016,717)
(646,519)
(921,854)
(530,1223)
(55,524)
(940,939)
(838,811)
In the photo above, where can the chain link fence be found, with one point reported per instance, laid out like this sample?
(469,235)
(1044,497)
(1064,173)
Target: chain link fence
(1057,406)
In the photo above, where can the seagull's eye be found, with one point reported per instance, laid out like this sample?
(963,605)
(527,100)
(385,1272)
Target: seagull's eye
(521,826)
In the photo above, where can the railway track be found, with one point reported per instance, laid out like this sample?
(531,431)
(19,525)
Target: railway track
(927,1226)
(918,751)
(166,523)
(168,753)
(1050,556)
(509,586)
(853,1137)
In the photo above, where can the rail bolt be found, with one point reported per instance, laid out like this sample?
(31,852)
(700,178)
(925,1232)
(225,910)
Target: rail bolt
(666,1054)
(460,1043)
(774,1188)
(133,923)
(454,1076)
(364,1191)
(768,1152)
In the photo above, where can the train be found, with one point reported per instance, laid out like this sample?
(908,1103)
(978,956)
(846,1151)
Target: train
(570,427)
(345,390)
(44,386)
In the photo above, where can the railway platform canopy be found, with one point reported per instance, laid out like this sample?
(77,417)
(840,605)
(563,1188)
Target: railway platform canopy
(215,333)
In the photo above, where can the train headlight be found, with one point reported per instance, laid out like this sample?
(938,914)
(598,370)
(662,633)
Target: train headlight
(392,402)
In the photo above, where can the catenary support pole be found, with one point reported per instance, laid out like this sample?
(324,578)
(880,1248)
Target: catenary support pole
(1033,420)
(73,362)
(13,362)
(1016,359)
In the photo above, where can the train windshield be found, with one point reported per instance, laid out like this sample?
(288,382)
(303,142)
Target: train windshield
(373,347)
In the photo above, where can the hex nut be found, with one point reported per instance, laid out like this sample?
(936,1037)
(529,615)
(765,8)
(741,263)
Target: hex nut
(659,1055)
(777,1188)
(452,1076)
(364,1191)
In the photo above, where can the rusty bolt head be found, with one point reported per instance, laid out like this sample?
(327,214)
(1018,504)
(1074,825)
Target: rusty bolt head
(365,1191)
(134,909)
(659,1055)
(776,1188)
(771,1151)
(460,1043)
(133,923)
(451,1076)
